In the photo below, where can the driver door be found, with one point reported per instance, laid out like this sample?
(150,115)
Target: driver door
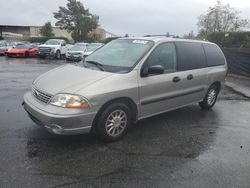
(161,92)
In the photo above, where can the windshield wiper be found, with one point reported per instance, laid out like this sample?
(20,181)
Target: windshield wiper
(99,65)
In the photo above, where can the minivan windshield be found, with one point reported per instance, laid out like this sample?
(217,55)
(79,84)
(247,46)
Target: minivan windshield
(120,55)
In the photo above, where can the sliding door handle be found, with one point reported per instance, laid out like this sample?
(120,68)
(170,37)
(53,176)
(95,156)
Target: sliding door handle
(190,77)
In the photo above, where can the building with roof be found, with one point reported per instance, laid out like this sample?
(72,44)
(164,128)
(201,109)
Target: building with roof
(21,32)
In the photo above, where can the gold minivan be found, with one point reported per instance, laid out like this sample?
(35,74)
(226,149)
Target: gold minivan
(126,80)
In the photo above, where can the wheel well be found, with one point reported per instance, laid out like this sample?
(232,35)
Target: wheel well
(125,100)
(218,85)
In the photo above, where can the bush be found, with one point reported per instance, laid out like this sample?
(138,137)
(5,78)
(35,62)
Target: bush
(1,38)
(44,39)
(233,40)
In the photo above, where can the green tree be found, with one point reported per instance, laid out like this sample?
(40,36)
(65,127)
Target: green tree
(47,30)
(76,19)
(221,18)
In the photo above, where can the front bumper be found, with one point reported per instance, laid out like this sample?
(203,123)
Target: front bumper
(73,58)
(57,123)
(15,54)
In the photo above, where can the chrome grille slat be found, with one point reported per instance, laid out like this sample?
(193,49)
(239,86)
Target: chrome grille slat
(44,50)
(41,96)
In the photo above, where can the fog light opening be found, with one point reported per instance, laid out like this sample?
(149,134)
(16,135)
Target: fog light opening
(55,128)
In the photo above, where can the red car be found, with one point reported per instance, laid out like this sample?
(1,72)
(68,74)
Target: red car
(22,50)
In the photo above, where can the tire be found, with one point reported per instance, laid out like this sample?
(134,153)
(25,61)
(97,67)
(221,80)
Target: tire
(58,54)
(210,98)
(113,122)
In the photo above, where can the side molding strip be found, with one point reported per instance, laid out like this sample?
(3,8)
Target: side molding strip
(149,101)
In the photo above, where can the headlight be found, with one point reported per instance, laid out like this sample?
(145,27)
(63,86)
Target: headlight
(52,49)
(70,101)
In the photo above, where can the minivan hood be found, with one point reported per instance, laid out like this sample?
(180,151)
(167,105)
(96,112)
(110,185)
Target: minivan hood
(68,79)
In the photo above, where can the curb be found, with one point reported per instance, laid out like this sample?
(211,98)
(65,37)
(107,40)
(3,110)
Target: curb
(236,88)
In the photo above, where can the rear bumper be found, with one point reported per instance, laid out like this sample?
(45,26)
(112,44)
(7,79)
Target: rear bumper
(63,124)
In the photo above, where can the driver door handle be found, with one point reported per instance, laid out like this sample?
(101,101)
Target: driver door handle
(176,79)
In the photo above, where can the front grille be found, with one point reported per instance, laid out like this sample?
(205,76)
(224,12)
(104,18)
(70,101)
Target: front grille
(44,50)
(75,53)
(41,96)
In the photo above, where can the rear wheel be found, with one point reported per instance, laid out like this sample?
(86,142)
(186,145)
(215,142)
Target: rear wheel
(210,98)
(113,122)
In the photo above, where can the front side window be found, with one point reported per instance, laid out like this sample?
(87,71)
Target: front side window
(164,55)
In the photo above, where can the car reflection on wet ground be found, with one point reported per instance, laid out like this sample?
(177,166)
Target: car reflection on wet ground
(187,147)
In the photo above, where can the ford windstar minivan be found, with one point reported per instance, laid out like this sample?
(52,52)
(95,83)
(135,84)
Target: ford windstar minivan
(126,80)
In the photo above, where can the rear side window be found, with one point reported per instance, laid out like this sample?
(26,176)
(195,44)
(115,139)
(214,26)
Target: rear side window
(190,56)
(214,55)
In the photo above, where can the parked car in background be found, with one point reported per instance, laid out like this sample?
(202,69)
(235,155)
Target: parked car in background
(126,80)
(69,46)
(91,48)
(4,46)
(76,53)
(22,50)
(35,44)
(54,48)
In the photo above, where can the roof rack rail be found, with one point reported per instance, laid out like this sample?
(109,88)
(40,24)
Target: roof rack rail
(167,35)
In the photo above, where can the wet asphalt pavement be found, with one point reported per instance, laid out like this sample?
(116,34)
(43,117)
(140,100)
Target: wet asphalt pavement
(187,147)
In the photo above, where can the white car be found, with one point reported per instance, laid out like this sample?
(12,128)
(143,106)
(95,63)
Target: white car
(91,48)
(76,53)
(54,48)
(5,45)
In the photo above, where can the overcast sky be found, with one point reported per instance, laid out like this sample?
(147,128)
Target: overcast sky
(135,17)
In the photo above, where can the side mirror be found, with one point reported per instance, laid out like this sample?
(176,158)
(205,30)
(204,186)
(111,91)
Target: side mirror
(155,69)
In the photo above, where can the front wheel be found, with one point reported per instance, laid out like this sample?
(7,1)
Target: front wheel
(58,54)
(113,122)
(210,98)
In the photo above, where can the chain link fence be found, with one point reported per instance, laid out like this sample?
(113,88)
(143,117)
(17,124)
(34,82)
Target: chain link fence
(238,62)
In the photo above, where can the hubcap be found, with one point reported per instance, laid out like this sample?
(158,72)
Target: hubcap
(116,123)
(211,97)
